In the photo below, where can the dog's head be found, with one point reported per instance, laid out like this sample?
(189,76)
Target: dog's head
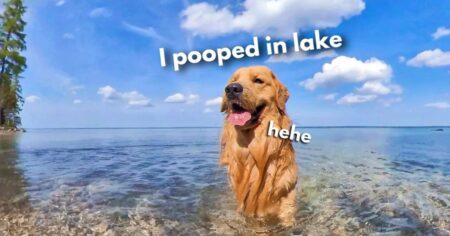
(251,93)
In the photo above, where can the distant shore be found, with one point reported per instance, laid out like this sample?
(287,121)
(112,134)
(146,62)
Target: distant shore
(10,131)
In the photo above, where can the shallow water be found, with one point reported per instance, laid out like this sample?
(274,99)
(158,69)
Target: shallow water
(353,181)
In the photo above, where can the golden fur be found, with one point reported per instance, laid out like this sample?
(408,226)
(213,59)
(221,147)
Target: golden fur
(262,169)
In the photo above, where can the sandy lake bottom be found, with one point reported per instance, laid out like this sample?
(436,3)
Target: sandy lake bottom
(353,181)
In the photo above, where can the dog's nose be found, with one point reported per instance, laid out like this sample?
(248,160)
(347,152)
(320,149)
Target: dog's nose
(233,90)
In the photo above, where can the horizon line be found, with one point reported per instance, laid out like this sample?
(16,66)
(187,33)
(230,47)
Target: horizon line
(213,127)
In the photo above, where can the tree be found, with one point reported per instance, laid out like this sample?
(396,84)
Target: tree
(13,64)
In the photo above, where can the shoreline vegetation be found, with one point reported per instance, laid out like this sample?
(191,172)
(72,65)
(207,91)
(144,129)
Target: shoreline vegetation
(12,62)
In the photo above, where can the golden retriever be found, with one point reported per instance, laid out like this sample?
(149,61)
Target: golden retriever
(261,169)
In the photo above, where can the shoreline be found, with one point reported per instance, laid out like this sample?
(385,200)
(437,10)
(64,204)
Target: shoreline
(10,131)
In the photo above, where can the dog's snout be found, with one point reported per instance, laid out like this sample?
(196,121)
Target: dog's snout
(233,90)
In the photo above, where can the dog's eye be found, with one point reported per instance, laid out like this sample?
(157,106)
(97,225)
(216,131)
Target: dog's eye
(258,81)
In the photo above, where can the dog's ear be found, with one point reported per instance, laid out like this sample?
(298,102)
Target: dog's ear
(224,106)
(282,94)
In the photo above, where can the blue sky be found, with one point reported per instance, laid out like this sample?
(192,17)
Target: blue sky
(96,63)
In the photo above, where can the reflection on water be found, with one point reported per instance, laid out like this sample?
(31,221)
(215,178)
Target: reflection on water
(12,184)
(355,181)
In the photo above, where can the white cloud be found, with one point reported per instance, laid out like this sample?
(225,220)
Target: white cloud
(131,99)
(214,102)
(108,93)
(135,98)
(438,105)
(148,32)
(175,98)
(100,12)
(32,99)
(192,98)
(431,58)
(300,56)
(68,36)
(60,3)
(401,59)
(441,32)
(181,98)
(349,70)
(279,18)
(329,97)
(377,87)
(373,74)
(352,98)
(77,101)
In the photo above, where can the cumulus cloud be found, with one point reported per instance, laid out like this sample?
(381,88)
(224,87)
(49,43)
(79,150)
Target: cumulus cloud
(279,18)
(300,56)
(329,97)
(32,99)
(352,98)
(100,12)
(148,32)
(377,87)
(430,58)
(214,102)
(438,105)
(108,93)
(373,74)
(131,98)
(349,70)
(135,98)
(441,32)
(181,98)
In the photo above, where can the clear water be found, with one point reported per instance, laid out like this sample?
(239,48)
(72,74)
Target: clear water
(353,181)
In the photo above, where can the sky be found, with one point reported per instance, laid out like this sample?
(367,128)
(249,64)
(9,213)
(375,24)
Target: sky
(96,63)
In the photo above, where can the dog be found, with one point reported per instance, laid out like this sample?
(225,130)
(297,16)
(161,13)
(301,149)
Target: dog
(262,170)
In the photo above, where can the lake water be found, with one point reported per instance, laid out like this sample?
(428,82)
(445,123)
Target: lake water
(353,181)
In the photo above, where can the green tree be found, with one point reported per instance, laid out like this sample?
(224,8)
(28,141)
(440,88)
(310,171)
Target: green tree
(13,64)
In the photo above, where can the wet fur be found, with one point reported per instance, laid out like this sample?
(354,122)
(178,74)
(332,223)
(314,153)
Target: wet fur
(262,169)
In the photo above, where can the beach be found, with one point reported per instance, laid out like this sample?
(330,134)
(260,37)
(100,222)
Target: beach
(353,181)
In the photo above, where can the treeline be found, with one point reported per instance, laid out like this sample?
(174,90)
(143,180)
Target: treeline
(13,63)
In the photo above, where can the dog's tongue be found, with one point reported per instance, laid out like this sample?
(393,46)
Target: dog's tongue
(239,118)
